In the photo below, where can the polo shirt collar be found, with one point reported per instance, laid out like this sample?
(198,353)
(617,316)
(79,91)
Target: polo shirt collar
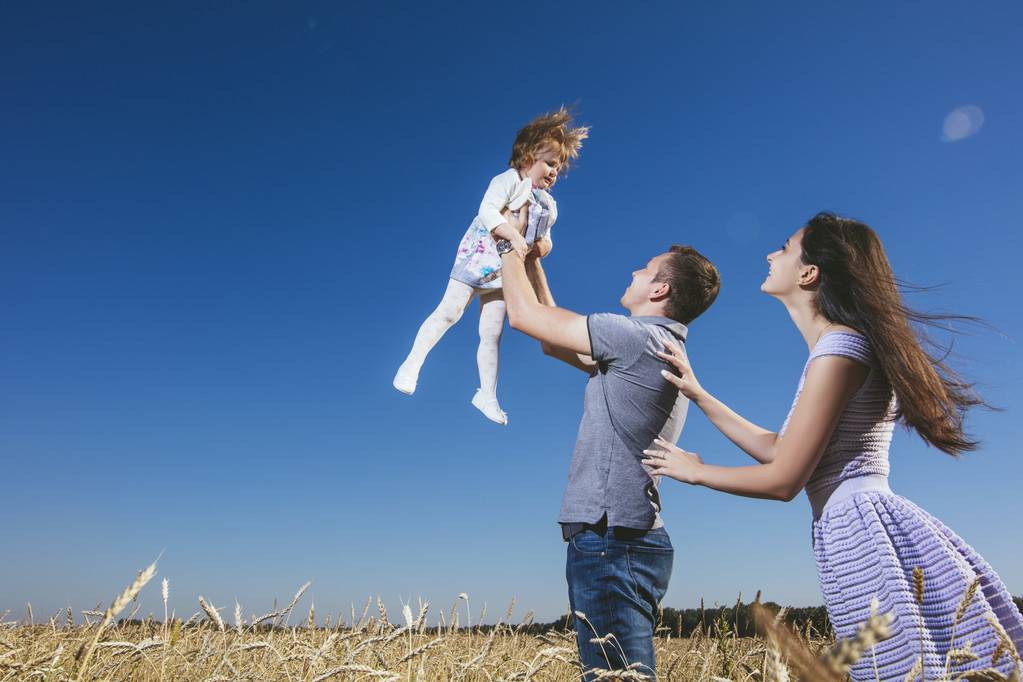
(677,329)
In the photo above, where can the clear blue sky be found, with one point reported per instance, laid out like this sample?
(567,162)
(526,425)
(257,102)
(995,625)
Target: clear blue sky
(223,223)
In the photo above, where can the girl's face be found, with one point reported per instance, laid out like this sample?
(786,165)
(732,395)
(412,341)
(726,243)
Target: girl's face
(787,272)
(544,169)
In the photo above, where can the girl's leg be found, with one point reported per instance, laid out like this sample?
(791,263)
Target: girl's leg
(492,314)
(448,311)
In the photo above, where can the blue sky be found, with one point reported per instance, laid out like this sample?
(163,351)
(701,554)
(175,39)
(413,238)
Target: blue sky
(223,224)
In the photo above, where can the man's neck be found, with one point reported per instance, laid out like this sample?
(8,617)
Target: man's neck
(647,310)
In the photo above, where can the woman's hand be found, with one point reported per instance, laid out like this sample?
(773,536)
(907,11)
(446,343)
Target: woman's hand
(673,462)
(683,378)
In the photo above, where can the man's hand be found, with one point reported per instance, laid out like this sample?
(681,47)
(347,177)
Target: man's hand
(517,223)
(520,245)
(541,248)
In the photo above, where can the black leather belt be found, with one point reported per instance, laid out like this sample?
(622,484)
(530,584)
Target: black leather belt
(570,530)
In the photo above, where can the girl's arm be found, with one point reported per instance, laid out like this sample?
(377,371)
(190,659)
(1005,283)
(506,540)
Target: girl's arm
(831,381)
(756,441)
(501,195)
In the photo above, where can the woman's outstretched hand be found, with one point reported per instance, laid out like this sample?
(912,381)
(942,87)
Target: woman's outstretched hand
(672,461)
(683,377)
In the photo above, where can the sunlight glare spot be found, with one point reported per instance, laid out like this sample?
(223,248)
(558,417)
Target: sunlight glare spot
(962,123)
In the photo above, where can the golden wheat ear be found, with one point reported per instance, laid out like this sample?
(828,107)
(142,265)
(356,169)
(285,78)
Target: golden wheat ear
(120,602)
(802,660)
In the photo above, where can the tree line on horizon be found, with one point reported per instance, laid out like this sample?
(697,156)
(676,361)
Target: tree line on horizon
(734,620)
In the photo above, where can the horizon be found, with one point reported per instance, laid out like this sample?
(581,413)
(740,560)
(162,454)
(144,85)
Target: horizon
(224,226)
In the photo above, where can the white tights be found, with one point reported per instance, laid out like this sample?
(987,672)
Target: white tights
(456,299)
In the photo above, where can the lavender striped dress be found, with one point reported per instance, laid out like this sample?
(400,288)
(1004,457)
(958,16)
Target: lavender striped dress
(867,541)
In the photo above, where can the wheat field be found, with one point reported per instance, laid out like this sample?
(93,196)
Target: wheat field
(221,645)
(140,652)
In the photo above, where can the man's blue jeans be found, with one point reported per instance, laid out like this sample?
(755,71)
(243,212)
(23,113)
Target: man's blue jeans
(617,578)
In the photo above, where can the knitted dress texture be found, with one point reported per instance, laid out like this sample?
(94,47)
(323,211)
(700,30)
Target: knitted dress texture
(867,545)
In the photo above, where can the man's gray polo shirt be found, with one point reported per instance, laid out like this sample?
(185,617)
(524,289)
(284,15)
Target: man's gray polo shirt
(626,405)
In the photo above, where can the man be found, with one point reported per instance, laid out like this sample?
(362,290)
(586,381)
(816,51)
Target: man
(619,555)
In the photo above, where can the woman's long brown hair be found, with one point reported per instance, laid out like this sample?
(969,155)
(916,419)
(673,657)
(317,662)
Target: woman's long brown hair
(857,288)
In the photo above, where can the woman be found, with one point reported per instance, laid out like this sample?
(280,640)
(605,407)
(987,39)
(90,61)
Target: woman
(866,370)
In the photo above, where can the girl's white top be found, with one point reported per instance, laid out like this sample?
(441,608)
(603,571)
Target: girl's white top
(477,262)
(507,190)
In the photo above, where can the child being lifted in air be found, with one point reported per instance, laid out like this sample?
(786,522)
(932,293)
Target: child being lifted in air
(541,152)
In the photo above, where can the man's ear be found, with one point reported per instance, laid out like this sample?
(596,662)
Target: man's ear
(659,291)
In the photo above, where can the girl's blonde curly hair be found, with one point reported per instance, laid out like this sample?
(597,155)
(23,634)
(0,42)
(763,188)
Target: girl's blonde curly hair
(553,129)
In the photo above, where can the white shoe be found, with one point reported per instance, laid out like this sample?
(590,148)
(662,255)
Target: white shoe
(488,405)
(405,380)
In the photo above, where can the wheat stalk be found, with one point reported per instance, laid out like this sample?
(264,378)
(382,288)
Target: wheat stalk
(846,652)
(212,614)
(421,649)
(121,601)
(1005,644)
(917,669)
(798,655)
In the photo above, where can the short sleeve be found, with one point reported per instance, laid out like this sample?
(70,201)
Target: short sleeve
(853,346)
(615,339)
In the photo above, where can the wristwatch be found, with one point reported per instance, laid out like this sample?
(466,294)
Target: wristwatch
(504,246)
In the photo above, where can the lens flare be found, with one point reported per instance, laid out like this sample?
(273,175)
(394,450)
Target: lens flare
(962,123)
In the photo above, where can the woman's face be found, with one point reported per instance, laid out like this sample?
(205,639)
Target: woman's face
(786,267)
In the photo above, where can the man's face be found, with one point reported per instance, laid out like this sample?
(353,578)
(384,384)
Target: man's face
(643,286)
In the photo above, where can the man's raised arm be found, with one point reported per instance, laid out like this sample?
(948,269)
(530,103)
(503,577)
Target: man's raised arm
(547,324)
(538,280)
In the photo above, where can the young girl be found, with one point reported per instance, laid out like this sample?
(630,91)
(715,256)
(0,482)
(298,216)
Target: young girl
(866,369)
(541,152)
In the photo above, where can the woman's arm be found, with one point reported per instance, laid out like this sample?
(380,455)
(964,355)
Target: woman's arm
(756,441)
(831,381)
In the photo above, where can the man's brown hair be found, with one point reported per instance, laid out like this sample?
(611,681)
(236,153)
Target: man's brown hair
(693,283)
(543,132)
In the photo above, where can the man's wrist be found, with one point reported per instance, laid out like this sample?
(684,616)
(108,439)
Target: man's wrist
(505,248)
